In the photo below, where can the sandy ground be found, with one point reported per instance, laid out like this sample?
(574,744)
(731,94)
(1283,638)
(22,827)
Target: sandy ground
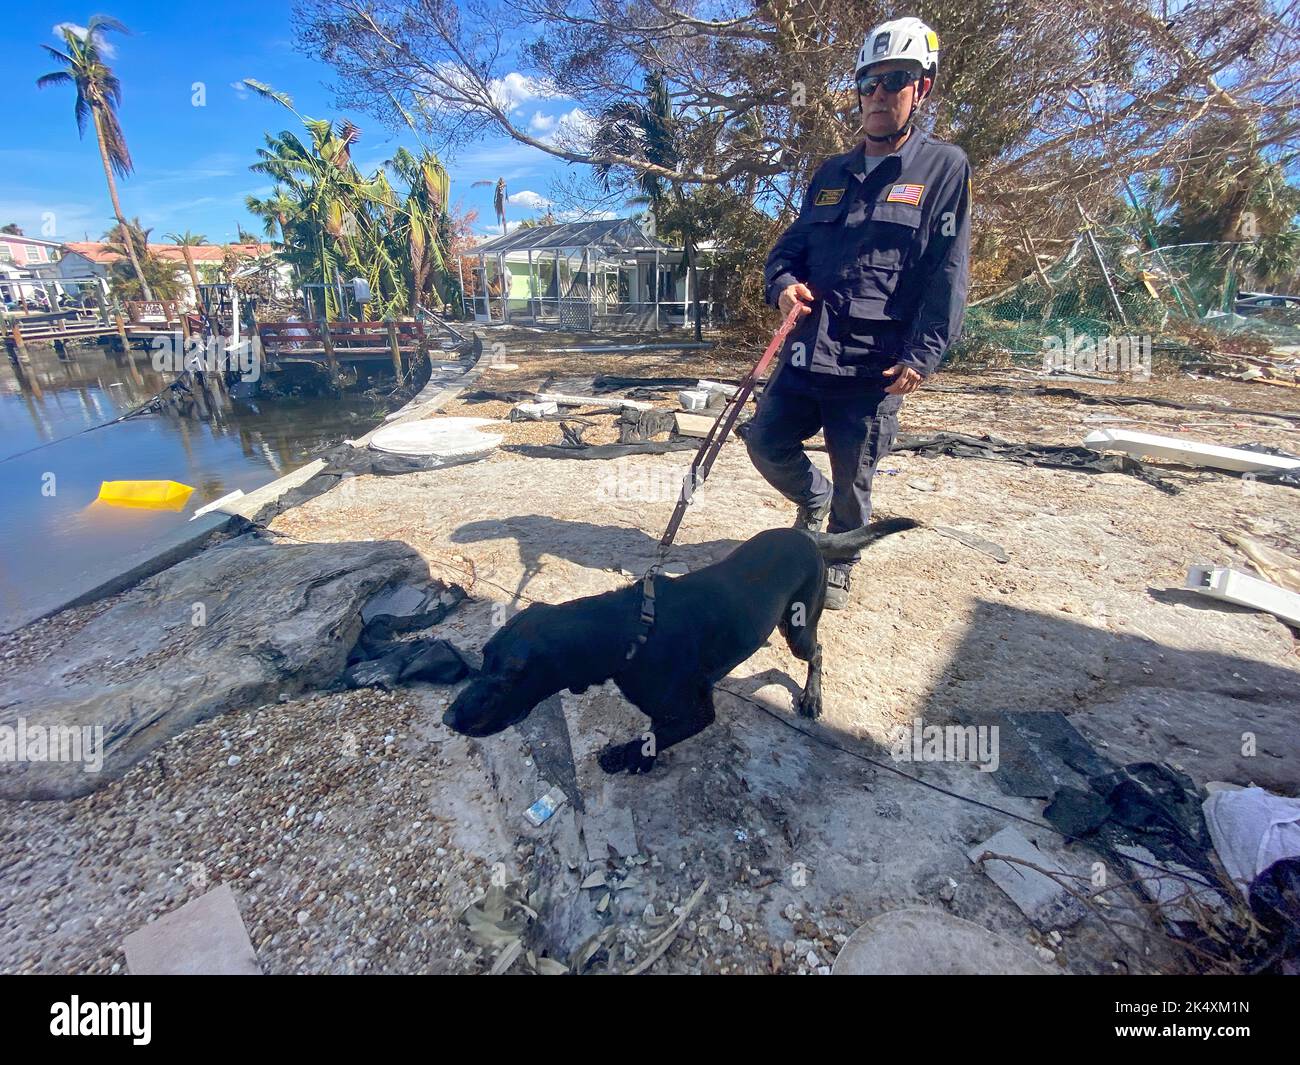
(394,830)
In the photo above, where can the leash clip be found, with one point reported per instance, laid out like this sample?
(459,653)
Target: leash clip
(647,616)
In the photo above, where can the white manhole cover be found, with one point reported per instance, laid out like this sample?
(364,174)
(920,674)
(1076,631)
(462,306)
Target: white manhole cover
(444,437)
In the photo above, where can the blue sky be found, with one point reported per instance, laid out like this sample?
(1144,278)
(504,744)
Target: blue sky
(191,163)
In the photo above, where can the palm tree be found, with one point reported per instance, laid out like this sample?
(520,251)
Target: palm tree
(188,240)
(424,224)
(649,131)
(130,243)
(498,200)
(340,217)
(99,94)
(274,211)
(418,227)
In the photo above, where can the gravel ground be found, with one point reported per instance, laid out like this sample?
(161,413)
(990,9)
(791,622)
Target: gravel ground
(327,816)
(355,829)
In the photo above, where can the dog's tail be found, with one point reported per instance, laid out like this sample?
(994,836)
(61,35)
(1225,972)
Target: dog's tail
(837,546)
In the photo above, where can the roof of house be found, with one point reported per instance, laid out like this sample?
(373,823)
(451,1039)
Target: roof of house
(99,252)
(30,240)
(609,234)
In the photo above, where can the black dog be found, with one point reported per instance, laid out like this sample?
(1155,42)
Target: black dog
(706,623)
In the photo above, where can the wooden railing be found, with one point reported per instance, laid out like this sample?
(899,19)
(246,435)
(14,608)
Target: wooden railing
(352,341)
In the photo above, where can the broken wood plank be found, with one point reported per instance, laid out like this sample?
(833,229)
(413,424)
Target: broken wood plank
(694,424)
(1187,452)
(591,401)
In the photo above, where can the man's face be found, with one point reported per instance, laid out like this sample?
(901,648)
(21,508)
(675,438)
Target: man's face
(883,111)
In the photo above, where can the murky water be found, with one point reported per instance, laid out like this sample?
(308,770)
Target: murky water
(53,532)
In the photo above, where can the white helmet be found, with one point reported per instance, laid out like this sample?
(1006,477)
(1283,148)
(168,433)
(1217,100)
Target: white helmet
(900,38)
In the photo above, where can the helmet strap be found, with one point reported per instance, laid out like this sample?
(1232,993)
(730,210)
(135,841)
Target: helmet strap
(902,130)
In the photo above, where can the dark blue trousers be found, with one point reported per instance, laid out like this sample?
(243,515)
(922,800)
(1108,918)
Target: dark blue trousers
(859,429)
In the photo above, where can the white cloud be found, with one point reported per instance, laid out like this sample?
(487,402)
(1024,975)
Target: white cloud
(241,90)
(514,90)
(51,219)
(541,123)
(495,231)
(573,130)
(106,48)
(529,199)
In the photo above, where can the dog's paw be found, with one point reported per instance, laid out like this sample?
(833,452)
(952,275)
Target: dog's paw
(810,705)
(625,758)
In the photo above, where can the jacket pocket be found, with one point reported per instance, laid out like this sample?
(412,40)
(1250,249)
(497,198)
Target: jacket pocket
(890,239)
(871,290)
(867,334)
(828,212)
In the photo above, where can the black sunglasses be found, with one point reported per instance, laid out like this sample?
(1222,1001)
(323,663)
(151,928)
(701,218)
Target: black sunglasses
(894,81)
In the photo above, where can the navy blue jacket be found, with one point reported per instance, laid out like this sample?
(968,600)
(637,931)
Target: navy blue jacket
(887,257)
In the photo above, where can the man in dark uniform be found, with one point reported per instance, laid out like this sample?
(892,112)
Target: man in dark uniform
(878,262)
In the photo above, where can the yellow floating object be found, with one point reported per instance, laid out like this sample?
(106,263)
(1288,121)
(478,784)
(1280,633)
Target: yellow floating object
(152,495)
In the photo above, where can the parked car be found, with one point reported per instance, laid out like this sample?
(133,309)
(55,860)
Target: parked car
(1257,303)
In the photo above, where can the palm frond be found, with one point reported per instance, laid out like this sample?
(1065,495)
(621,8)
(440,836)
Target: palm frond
(267,93)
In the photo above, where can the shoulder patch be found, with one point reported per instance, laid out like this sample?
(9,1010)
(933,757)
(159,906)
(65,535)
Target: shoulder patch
(828,196)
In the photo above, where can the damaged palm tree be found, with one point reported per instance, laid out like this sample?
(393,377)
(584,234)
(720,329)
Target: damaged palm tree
(99,94)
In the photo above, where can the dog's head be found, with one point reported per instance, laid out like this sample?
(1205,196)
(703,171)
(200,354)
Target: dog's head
(514,679)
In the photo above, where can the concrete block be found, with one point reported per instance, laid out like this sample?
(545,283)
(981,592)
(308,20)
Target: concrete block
(609,829)
(694,424)
(204,937)
(1040,898)
(718,386)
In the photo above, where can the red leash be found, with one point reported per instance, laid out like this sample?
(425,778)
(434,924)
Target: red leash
(700,467)
(717,435)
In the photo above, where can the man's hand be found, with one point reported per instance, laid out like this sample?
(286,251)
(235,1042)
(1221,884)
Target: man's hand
(905,379)
(798,293)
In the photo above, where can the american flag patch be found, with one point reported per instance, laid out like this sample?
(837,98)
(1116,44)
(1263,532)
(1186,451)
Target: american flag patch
(906,194)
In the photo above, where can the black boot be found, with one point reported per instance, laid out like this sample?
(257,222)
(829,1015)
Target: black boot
(839,581)
(811,519)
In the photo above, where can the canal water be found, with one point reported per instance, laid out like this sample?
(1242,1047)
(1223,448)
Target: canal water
(54,534)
